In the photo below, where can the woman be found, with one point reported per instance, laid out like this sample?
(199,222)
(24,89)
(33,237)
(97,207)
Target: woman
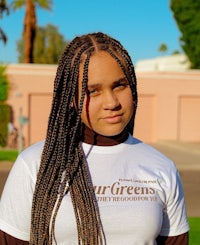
(90,181)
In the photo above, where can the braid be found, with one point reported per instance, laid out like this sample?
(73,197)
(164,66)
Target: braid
(63,165)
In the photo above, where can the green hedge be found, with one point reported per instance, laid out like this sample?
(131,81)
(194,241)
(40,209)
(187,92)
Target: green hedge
(4,109)
(4,120)
(3,84)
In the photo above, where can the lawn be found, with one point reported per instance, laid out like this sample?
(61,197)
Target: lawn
(194,231)
(8,154)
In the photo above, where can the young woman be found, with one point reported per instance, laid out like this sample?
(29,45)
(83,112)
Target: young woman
(90,182)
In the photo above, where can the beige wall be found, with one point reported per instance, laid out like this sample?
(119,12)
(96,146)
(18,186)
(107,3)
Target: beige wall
(174,98)
(168,108)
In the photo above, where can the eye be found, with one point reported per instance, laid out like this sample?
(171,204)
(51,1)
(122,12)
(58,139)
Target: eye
(92,91)
(121,84)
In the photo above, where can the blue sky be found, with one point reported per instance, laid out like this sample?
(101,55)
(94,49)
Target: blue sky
(140,25)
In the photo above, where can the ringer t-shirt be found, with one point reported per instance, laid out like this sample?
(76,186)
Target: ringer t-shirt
(138,190)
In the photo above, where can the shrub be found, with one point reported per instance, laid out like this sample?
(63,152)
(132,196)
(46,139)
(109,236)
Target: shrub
(3,84)
(4,108)
(4,120)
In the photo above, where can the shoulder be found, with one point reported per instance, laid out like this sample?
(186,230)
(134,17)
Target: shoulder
(29,159)
(18,192)
(33,152)
(151,162)
(148,155)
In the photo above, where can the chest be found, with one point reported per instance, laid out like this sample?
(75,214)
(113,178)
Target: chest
(131,202)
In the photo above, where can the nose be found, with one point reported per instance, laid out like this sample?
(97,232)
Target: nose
(110,101)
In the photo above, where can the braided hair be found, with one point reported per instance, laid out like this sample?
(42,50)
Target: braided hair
(63,166)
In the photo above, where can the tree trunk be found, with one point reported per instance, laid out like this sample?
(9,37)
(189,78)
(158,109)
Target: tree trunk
(29,31)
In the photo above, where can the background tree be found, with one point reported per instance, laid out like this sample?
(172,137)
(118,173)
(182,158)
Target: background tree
(3,8)
(175,52)
(187,16)
(30,24)
(48,45)
(163,48)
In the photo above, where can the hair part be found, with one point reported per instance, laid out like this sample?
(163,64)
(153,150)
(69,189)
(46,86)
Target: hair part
(63,166)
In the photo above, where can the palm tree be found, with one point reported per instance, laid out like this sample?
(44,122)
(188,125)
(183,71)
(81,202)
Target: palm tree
(3,8)
(163,48)
(30,24)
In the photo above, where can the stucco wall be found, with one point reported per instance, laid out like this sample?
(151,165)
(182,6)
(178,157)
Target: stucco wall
(168,108)
(173,105)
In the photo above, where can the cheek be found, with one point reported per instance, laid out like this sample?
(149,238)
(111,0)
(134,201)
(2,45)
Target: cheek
(127,100)
(129,110)
(89,111)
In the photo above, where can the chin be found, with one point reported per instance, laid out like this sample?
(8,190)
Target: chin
(110,133)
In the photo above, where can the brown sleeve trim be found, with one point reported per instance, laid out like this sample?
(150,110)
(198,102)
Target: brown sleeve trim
(6,239)
(182,239)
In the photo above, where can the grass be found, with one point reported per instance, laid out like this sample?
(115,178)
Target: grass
(8,154)
(194,235)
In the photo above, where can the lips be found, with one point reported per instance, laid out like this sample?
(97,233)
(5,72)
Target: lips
(113,119)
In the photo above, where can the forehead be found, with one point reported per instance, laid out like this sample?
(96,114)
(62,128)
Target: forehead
(102,67)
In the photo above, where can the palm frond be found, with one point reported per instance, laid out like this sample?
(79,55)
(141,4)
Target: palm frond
(16,4)
(3,36)
(3,8)
(45,4)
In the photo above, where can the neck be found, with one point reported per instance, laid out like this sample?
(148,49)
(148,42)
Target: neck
(90,137)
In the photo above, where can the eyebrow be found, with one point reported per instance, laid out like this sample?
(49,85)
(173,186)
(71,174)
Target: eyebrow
(97,85)
(123,79)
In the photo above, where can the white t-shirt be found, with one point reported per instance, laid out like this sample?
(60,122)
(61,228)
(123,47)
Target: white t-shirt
(138,190)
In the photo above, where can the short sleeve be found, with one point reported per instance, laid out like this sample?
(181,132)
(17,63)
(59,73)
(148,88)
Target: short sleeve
(16,201)
(175,220)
